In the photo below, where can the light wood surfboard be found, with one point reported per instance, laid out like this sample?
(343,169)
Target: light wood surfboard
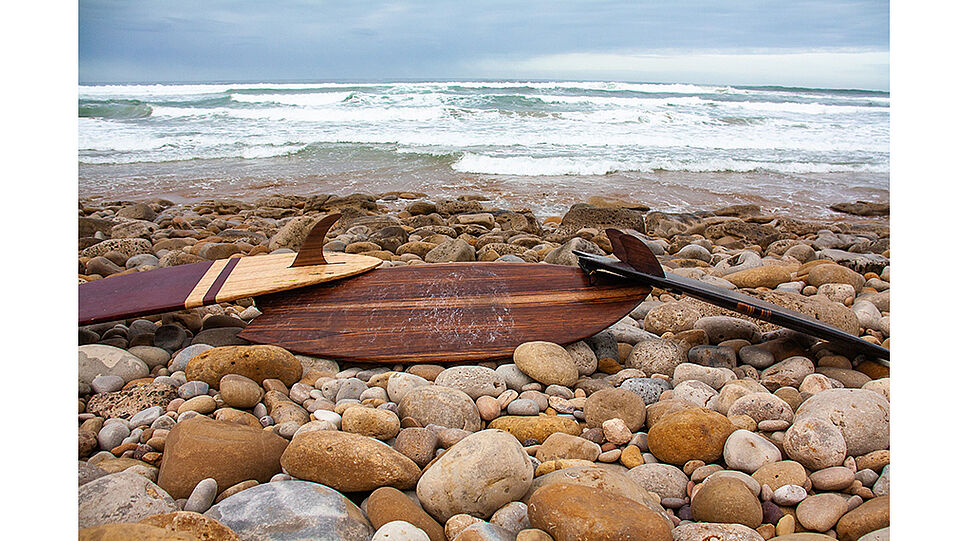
(208,282)
(440,313)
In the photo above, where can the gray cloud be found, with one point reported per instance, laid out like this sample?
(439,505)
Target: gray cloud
(187,40)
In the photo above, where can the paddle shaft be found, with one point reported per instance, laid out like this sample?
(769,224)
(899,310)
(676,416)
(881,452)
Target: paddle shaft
(737,302)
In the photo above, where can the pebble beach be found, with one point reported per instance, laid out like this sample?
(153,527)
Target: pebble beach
(681,421)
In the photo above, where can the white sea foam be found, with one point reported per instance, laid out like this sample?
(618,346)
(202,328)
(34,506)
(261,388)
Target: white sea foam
(500,128)
(306,100)
(556,166)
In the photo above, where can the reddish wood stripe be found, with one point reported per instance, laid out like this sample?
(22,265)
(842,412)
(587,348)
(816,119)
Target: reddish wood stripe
(213,291)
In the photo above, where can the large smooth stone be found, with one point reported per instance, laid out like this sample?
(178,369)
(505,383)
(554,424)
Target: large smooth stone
(440,405)
(656,356)
(726,500)
(821,512)
(228,452)
(121,497)
(292,511)
(476,476)
(693,434)
(547,363)
(474,380)
(561,445)
(615,403)
(254,362)
(816,443)
(348,462)
(747,452)
(95,360)
(860,414)
(569,511)
(663,479)
(611,481)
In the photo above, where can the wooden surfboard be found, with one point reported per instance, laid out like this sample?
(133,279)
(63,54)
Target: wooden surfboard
(208,282)
(442,312)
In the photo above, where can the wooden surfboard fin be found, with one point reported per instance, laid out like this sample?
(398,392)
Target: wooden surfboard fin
(634,252)
(311,251)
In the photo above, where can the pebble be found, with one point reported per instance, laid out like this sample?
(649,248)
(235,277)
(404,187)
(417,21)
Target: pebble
(107,384)
(547,363)
(522,406)
(202,497)
(789,495)
(821,512)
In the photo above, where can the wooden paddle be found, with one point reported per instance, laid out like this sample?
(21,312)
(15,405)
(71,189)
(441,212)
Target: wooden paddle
(638,264)
(208,282)
(441,312)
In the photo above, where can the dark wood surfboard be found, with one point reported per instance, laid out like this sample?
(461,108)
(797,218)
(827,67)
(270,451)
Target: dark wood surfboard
(439,313)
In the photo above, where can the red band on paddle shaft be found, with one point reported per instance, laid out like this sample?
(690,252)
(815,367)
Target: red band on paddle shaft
(210,295)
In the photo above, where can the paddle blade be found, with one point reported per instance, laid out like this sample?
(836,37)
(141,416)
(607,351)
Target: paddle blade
(634,252)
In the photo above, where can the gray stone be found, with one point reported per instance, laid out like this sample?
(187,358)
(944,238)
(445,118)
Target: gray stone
(478,475)
(475,381)
(182,358)
(715,377)
(648,389)
(882,485)
(201,498)
(451,250)
(170,337)
(604,345)
(88,472)
(584,357)
(107,384)
(747,452)
(757,356)
(153,356)
(512,517)
(220,336)
(656,356)
(192,389)
(861,416)
(399,383)
(146,416)
(522,406)
(563,254)
(663,479)
(121,497)
(292,510)
(112,434)
(98,359)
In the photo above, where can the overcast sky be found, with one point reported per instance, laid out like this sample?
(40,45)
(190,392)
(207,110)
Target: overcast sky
(833,44)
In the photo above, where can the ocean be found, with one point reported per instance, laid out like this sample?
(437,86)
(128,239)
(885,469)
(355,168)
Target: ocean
(540,145)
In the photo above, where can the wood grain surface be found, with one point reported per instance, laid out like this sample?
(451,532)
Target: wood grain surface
(208,282)
(439,313)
